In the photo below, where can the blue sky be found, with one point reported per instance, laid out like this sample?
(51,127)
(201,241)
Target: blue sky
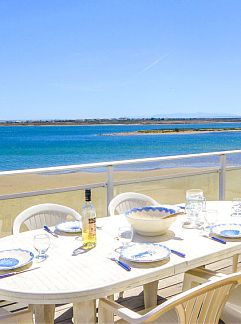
(97,58)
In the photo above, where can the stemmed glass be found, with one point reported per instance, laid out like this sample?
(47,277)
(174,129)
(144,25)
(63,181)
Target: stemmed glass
(210,216)
(236,207)
(41,244)
(125,234)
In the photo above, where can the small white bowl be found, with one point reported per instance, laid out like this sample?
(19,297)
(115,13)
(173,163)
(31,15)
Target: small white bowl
(151,221)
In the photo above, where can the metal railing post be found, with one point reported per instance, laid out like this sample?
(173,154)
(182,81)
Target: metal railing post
(110,189)
(222,177)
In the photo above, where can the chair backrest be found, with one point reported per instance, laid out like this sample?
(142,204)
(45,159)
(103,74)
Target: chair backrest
(128,200)
(44,214)
(202,304)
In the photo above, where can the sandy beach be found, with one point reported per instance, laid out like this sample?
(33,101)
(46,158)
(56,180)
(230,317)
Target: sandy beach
(172,132)
(168,191)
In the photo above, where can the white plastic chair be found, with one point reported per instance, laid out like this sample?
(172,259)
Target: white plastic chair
(202,304)
(231,313)
(128,200)
(33,218)
(44,214)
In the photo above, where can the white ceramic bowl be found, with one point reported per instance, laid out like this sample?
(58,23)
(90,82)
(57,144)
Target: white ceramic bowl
(151,221)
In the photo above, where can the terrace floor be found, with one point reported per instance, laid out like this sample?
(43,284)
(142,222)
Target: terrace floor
(167,288)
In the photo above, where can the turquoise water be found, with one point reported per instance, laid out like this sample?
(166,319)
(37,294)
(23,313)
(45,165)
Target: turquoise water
(39,146)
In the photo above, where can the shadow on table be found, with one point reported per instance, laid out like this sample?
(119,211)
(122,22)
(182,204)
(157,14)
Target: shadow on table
(169,235)
(146,265)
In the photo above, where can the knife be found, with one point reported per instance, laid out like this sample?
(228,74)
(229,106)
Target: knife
(214,238)
(9,274)
(180,254)
(47,229)
(218,239)
(121,264)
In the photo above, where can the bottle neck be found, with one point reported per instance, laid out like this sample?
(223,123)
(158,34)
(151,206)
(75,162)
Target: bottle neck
(87,195)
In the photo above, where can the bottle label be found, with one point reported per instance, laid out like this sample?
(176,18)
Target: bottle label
(92,226)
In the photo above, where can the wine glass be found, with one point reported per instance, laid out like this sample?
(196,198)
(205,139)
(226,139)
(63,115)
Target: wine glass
(210,216)
(41,244)
(236,207)
(125,234)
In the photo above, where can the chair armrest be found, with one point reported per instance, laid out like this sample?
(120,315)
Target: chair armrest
(119,310)
(198,276)
(205,273)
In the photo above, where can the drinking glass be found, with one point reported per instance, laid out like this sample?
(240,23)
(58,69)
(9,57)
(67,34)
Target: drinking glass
(195,204)
(236,207)
(210,216)
(125,234)
(41,244)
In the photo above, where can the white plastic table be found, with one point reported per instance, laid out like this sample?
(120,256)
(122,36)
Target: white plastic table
(82,279)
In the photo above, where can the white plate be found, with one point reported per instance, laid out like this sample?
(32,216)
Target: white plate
(69,227)
(227,230)
(16,258)
(145,252)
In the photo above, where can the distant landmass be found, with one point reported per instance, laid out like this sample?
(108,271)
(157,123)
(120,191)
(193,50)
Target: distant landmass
(175,131)
(158,119)
(197,115)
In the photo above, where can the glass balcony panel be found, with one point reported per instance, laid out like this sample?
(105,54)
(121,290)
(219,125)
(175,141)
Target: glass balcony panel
(172,191)
(10,208)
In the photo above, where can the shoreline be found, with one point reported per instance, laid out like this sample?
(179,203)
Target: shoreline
(172,132)
(128,122)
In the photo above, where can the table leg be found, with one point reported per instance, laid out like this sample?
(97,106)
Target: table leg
(235,262)
(150,294)
(85,312)
(44,314)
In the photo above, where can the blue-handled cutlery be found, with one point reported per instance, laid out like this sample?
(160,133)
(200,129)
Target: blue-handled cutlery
(214,238)
(9,274)
(121,264)
(47,229)
(180,254)
(217,239)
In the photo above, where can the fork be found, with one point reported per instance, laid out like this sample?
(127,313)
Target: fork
(47,229)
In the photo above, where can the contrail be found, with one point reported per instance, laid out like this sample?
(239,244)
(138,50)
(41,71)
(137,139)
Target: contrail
(150,66)
(147,68)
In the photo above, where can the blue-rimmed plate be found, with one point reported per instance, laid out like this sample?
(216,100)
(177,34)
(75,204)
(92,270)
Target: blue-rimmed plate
(16,258)
(69,227)
(145,252)
(227,230)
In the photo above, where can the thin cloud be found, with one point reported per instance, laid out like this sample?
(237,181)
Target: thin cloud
(145,69)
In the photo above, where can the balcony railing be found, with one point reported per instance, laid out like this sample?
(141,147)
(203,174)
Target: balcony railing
(109,168)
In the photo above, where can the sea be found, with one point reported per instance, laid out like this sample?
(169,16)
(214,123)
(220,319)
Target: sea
(23,147)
